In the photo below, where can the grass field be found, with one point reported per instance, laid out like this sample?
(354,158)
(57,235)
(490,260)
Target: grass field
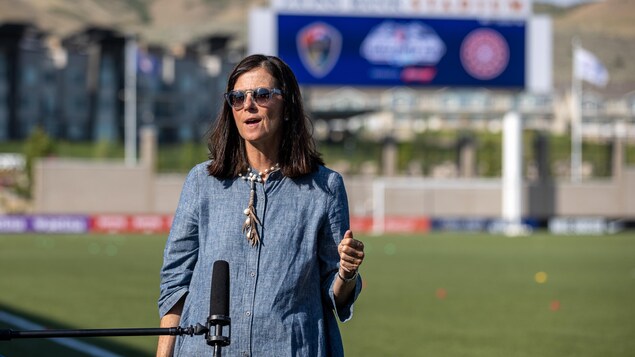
(431,295)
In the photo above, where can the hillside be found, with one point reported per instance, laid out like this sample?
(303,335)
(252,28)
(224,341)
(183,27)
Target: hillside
(606,28)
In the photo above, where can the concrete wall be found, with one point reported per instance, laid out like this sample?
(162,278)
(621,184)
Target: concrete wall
(478,198)
(168,190)
(72,186)
(93,187)
(65,186)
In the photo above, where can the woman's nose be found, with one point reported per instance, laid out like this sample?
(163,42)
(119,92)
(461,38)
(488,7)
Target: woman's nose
(249,100)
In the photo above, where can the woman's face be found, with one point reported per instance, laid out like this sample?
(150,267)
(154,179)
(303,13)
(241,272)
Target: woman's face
(259,124)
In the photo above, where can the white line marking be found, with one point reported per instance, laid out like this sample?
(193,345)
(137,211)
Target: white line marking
(80,346)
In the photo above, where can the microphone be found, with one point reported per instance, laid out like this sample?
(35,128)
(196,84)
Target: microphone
(219,308)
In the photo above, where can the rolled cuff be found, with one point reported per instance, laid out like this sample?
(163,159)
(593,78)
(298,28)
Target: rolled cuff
(345,313)
(167,302)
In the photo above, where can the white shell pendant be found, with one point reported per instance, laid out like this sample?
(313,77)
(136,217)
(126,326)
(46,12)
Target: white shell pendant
(250,226)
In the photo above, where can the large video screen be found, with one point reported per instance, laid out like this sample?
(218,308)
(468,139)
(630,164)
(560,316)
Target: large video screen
(380,51)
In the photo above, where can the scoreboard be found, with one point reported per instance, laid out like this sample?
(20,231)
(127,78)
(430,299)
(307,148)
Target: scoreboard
(492,44)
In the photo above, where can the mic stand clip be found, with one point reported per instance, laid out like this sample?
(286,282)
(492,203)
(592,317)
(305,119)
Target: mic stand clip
(218,339)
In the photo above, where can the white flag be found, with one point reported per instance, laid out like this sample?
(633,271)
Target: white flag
(589,68)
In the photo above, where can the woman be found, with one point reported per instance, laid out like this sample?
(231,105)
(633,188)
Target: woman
(266,204)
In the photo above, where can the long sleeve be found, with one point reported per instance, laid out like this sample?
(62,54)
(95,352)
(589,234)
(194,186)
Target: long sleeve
(181,249)
(332,234)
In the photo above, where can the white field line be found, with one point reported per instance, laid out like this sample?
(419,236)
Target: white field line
(80,346)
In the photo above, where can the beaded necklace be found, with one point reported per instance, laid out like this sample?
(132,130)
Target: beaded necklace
(249,227)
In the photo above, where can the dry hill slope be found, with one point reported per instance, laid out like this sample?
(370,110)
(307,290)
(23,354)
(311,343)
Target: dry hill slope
(606,28)
(612,17)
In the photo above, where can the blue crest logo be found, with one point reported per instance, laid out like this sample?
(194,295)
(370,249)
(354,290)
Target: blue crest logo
(319,46)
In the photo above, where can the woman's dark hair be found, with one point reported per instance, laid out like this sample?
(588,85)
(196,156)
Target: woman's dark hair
(297,153)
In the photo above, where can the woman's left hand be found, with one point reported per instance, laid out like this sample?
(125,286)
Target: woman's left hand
(351,253)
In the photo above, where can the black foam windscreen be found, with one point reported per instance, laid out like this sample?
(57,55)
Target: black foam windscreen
(219,302)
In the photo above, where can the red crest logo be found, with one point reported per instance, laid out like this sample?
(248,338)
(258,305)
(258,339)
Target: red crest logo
(319,47)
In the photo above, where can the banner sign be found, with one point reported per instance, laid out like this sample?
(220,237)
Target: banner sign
(120,223)
(110,223)
(461,224)
(379,51)
(82,224)
(149,223)
(14,224)
(392,224)
(584,225)
(59,224)
(406,224)
(454,8)
(491,225)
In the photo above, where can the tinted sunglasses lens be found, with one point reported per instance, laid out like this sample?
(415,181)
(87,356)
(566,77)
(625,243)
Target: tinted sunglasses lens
(236,98)
(261,95)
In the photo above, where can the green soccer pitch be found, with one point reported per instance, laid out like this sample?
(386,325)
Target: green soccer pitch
(440,294)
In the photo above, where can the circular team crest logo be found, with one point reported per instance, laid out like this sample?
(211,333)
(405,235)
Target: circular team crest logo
(484,54)
(319,46)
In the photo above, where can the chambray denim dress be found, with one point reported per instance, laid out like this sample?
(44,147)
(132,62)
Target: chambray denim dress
(281,291)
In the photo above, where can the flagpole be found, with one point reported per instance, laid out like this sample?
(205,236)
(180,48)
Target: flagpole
(576,116)
(130,103)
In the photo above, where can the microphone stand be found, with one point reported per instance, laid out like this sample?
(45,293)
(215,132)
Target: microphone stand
(8,334)
(218,339)
(218,318)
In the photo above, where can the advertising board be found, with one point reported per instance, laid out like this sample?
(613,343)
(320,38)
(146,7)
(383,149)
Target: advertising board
(441,8)
(370,51)
(391,43)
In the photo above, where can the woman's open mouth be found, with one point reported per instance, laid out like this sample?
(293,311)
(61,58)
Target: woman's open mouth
(252,121)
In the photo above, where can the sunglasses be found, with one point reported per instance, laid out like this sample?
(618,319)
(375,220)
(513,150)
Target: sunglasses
(261,96)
